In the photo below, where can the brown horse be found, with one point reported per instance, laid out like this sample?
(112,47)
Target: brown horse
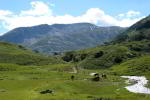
(72,77)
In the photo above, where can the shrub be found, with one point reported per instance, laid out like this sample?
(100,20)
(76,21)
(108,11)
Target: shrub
(118,60)
(68,56)
(99,54)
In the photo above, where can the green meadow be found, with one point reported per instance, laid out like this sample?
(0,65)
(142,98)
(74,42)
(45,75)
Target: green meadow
(25,74)
(28,75)
(19,82)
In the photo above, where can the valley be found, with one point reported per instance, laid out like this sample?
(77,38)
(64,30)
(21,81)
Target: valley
(59,38)
(27,74)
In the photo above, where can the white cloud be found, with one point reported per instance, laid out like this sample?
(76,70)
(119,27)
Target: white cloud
(121,15)
(41,13)
(132,13)
(5,12)
(128,22)
(38,9)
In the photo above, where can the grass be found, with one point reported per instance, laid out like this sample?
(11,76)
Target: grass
(106,56)
(137,66)
(24,76)
(16,54)
(25,83)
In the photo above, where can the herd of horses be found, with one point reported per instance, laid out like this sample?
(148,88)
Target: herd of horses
(96,77)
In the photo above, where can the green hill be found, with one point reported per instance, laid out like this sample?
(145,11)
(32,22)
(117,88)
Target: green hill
(108,55)
(136,66)
(139,31)
(17,54)
(133,43)
(19,81)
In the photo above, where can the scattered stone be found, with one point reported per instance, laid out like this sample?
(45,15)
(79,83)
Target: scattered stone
(92,74)
(1,79)
(101,98)
(97,78)
(2,90)
(47,92)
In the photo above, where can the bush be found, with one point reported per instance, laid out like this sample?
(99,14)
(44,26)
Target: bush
(83,56)
(99,54)
(21,47)
(68,56)
(118,60)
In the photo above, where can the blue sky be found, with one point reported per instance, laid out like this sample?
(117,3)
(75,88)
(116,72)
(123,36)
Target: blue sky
(22,13)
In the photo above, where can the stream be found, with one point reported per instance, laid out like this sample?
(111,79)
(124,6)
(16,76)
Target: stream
(138,86)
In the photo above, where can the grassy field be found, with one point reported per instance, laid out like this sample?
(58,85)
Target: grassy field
(27,75)
(26,82)
(17,54)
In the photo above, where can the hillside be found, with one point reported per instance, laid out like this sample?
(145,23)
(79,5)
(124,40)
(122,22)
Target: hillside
(131,44)
(136,66)
(139,31)
(52,78)
(17,54)
(75,41)
(106,56)
(29,34)
(61,37)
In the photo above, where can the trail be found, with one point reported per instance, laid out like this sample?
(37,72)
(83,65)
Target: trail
(74,70)
(139,86)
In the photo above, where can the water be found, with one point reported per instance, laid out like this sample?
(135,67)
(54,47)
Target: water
(139,86)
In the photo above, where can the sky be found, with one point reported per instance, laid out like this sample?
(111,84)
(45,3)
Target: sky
(24,13)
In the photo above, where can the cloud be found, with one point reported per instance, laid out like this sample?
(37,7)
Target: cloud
(130,14)
(38,9)
(121,15)
(41,13)
(5,12)
(128,22)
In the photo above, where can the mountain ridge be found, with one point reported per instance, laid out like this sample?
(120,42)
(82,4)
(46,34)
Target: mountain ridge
(61,37)
(131,44)
(137,32)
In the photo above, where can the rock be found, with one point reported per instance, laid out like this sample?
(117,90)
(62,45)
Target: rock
(96,78)
(47,92)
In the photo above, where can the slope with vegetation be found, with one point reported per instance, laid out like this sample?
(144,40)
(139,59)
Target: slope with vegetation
(137,32)
(19,81)
(52,80)
(108,55)
(17,54)
(125,47)
(61,37)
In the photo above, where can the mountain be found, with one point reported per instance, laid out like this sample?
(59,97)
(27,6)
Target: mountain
(61,37)
(132,44)
(139,31)
(17,54)
(76,41)
(23,34)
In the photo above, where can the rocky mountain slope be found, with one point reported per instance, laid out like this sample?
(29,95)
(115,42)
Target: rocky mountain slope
(132,44)
(139,31)
(61,37)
